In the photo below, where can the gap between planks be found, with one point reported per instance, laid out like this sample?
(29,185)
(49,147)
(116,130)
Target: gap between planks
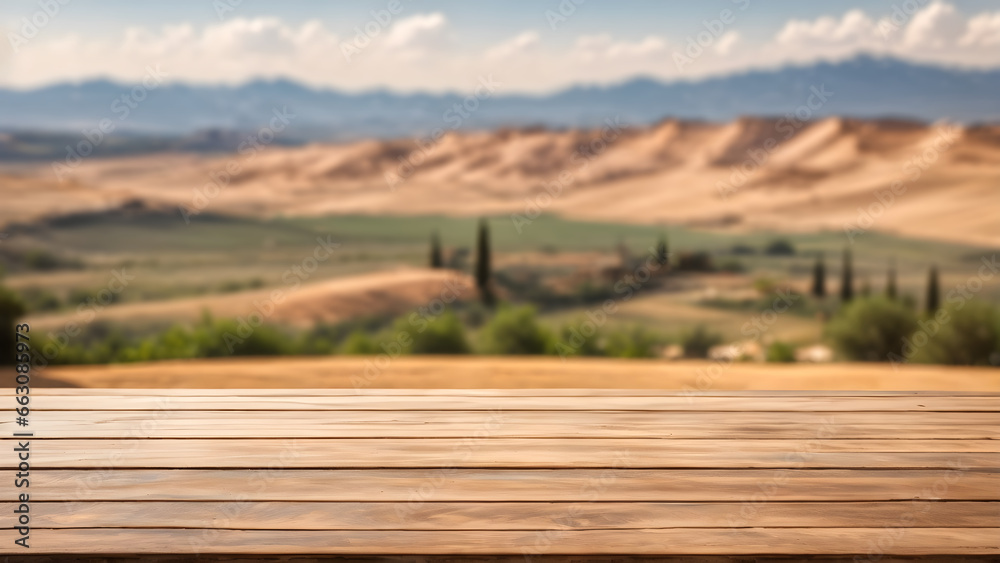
(509,485)
(553,453)
(290,515)
(674,541)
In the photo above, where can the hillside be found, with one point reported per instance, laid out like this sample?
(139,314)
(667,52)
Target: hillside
(802,177)
(331,301)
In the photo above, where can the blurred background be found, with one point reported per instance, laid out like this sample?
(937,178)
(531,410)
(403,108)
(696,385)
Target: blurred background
(727,181)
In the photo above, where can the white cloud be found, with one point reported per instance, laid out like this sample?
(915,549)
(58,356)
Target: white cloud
(603,46)
(233,51)
(725,43)
(936,32)
(854,29)
(420,31)
(522,43)
(418,52)
(983,30)
(256,36)
(938,25)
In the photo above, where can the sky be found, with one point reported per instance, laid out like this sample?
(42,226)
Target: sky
(450,45)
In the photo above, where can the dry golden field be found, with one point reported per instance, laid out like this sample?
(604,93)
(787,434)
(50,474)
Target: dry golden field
(512,373)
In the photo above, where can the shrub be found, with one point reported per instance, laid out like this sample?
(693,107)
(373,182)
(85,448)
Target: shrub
(780,247)
(969,335)
(38,299)
(694,262)
(41,260)
(872,329)
(575,340)
(103,296)
(359,343)
(443,335)
(765,285)
(516,331)
(781,352)
(696,343)
(732,266)
(633,342)
(231,338)
(311,344)
(474,314)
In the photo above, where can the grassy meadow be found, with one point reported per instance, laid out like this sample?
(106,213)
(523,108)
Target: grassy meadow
(60,264)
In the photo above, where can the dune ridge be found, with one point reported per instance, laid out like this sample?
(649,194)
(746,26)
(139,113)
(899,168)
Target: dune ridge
(753,173)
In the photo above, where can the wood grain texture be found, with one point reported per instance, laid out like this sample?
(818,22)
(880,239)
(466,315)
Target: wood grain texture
(745,426)
(518,472)
(510,485)
(472,392)
(553,453)
(507,515)
(508,403)
(680,541)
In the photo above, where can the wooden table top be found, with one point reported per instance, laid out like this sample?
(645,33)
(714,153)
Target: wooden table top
(507,472)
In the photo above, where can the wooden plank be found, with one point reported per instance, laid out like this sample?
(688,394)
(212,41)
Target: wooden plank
(521,472)
(507,515)
(524,424)
(677,541)
(511,485)
(508,452)
(464,403)
(537,392)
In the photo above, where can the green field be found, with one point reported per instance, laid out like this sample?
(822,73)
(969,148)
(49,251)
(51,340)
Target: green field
(216,255)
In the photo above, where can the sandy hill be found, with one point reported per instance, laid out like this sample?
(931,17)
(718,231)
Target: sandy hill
(382,293)
(752,173)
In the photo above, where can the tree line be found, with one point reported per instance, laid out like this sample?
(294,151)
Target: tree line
(932,299)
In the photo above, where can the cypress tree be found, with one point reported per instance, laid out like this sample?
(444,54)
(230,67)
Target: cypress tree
(483,274)
(890,285)
(819,278)
(436,260)
(11,309)
(661,251)
(847,279)
(933,291)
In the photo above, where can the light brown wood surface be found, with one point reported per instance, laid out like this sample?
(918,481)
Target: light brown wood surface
(505,515)
(743,426)
(519,403)
(520,472)
(679,541)
(511,485)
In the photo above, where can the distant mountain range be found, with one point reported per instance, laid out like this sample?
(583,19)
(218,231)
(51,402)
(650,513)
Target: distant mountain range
(208,116)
